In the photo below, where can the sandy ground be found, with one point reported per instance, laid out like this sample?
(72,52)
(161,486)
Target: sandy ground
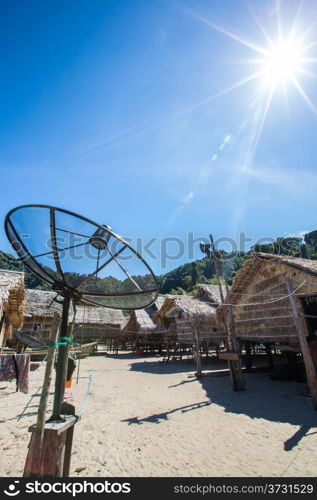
(148,418)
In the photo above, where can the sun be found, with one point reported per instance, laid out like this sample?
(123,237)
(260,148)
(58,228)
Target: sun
(282,63)
(278,62)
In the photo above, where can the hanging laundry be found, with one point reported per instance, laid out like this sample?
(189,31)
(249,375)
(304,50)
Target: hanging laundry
(16,366)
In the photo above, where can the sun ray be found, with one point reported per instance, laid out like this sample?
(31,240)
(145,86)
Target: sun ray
(306,32)
(304,95)
(307,72)
(264,115)
(285,93)
(278,21)
(260,25)
(211,98)
(309,46)
(296,17)
(229,34)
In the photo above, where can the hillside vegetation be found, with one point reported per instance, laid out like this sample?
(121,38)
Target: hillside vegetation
(183,279)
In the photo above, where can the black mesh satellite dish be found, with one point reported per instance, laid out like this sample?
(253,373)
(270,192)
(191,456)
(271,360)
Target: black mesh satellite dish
(83,261)
(81,258)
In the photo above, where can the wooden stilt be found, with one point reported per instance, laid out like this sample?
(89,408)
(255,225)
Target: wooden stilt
(233,343)
(248,356)
(292,365)
(197,350)
(269,356)
(302,333)
(34,456)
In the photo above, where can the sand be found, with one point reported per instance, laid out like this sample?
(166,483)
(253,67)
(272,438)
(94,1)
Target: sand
(148,418)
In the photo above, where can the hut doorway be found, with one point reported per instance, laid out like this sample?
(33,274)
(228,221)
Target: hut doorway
(309,305)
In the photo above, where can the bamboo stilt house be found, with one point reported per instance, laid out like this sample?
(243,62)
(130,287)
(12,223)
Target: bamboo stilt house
(141,329)
(274,301)
(90,323)
(141,320)
(179,312)
(12,302)
(261,304)
(97,323)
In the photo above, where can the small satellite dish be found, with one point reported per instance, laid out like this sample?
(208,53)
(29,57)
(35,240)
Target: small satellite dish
(80,258)
(83,261)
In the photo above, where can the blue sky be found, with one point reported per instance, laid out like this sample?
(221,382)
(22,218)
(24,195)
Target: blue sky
(106,109)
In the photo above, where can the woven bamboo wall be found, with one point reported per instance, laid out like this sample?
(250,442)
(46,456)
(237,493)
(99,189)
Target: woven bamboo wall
(263,312)
(185,333)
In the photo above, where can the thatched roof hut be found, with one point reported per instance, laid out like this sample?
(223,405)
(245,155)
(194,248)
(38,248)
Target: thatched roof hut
(261,303)
(141,320)
(185,307)
(88,321)
(179,312)
(12,301)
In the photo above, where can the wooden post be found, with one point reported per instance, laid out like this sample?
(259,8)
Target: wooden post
(56,448)
(269,356)
(233,344)
(302,333)
(248,356)
(34,457)
(196,350)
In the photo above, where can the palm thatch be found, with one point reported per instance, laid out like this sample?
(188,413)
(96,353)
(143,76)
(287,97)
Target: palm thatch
(141,320)
(185,307)
(210,292)
(89,322)
(261,306)
(12,302)
(41,304)
(98,316)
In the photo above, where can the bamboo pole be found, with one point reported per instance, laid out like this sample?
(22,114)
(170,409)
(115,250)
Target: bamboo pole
(302,332)
(233,345)
(196,350)
(33,461)
(239,384)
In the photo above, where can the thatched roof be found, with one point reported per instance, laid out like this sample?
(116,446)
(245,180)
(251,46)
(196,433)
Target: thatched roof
(42,304)
(99,316)
(12,296)
(209,292)
(185,307)
(9,280)
(248,271)
(141,320)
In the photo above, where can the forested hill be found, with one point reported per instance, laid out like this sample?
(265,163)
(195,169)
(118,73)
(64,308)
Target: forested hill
(184,278)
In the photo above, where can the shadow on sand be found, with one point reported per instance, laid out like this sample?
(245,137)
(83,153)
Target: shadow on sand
(277,401)
(157,366)
(157,418)
(273,400)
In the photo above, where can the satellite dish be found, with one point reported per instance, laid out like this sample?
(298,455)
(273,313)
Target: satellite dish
(83,261)
(80,258)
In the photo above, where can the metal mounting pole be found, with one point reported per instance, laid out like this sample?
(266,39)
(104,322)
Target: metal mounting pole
(61,364)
